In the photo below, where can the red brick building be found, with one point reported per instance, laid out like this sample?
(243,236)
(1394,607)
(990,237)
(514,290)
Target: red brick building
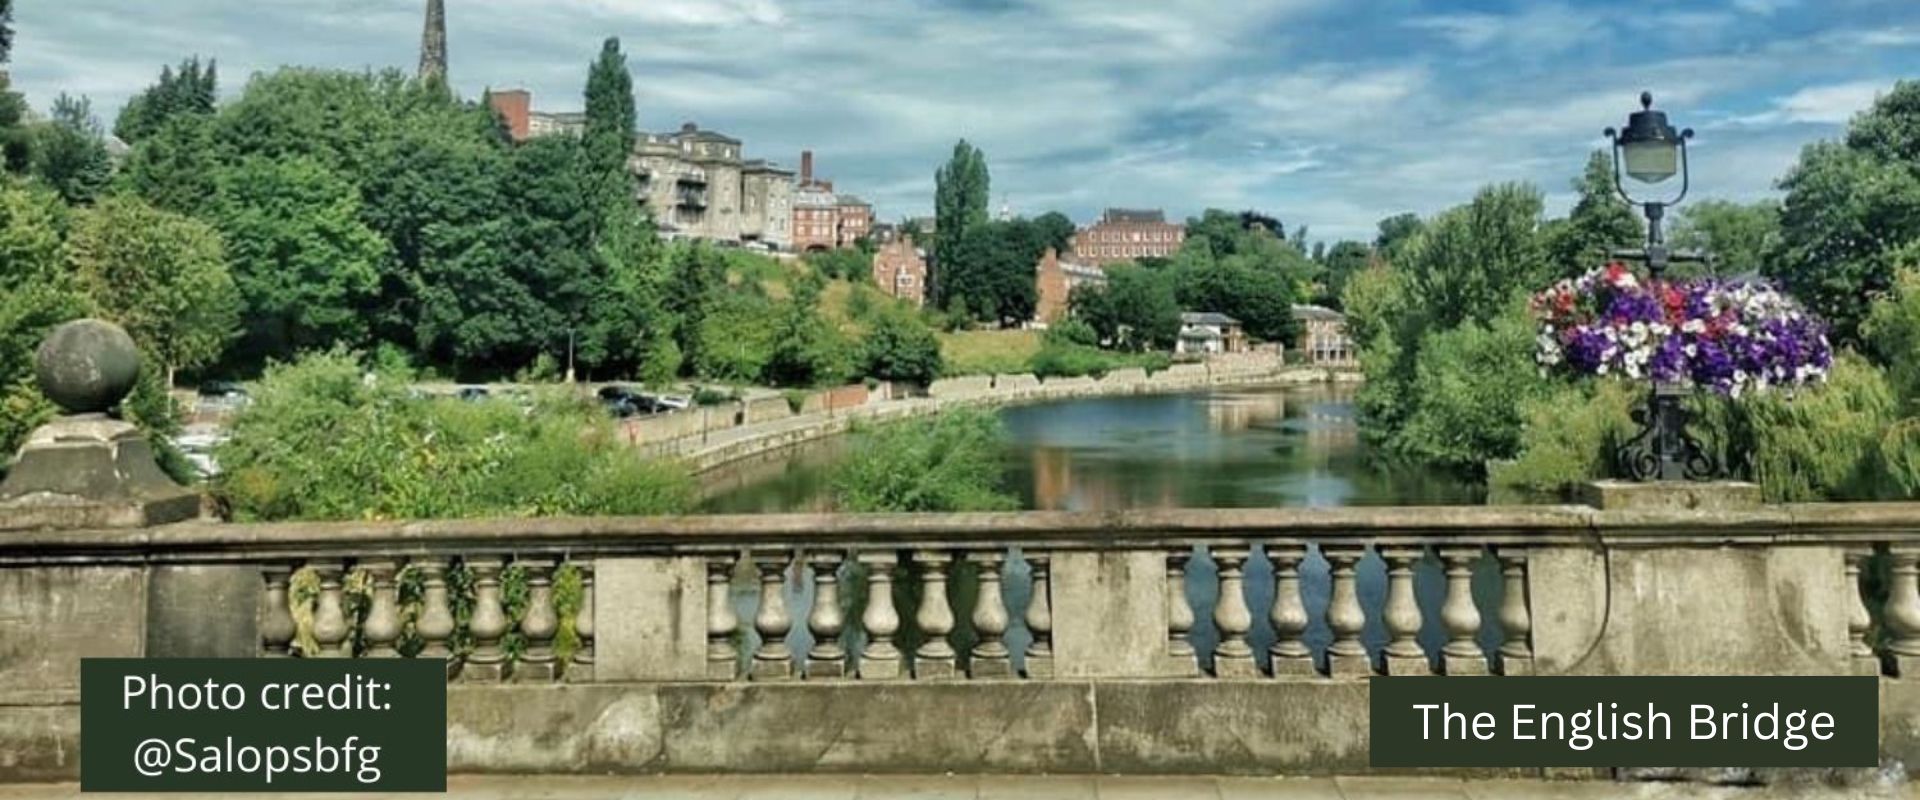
(823,220)
(1055,281)
(1126,235)
(900,270)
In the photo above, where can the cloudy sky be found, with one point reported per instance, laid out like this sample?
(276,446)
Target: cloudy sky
(1331,113)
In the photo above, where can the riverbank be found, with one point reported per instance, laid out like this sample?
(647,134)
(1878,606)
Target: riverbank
(712,437)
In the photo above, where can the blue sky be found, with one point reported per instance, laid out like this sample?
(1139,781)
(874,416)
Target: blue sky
(1329,113)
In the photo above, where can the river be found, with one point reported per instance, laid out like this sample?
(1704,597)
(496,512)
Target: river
(1224,448)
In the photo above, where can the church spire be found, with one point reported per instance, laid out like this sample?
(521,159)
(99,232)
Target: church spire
(433,43)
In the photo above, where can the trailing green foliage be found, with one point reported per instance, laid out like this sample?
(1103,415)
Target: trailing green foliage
(948,462)
(326,439)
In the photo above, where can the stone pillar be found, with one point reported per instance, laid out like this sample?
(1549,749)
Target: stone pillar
(330,626)
(1040,618)
(1461,655)
(828,657)
(773,660)
(1180,654)
(935,657)
(1231,617)
(1346,656)
(1516,615)
(990,657)
(277,628)
(538,624)
(1903,612)
(880,660)
(1289,614)
(435,623)
(1402,655)
(723,657)
(86,469)
(581,669)
(488,661)
(381,629)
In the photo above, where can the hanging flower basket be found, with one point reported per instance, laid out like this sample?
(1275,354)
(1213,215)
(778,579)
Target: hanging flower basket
(1731,337)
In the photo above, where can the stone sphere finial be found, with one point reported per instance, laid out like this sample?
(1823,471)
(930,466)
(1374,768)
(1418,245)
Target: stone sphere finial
(87,365)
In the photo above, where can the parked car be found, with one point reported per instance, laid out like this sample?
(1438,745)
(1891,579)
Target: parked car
(622,402)
(473,393)
(675,402)
(222,395)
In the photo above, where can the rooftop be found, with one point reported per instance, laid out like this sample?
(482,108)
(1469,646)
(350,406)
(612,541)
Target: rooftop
(1206,318)
(1316,312)
(1123,215)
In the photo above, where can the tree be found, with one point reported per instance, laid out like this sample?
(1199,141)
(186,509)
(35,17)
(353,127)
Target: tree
(1396,231)
(6,31)
(960,205)
(160,275)
(69,155)
(610,122)
(1851,208)
(1344,260)
(698,275)
(1056,230)
(1600,222)
(173,168)
(1738,236)
(15,142)
(1135,310)
(191,90)
(1472,260)
(990,272)
(37,292)
(806,351)
(305,265)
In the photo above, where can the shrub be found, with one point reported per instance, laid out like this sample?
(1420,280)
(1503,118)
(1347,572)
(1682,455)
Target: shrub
(949,462)
(900,347)
(322,440)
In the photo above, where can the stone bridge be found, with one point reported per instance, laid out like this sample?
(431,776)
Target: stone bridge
(1141,643)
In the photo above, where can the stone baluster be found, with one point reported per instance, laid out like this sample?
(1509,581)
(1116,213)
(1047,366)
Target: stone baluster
(990,657)
(1180,655)
(435,623)
(1346,656)
(935,658)
(723,656)
(828,657)
(539,624)
(1902,613)
(330,627)
(1289,614)
(1402,655)
(773,660)
(277,627)
(488,661)
(380,631)
(880,660)
(1040,617)
(1231,617)
(581,668)
(1461,655)
(1516,613)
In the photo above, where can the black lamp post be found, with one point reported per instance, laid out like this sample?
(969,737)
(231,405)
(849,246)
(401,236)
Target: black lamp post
(1650,151)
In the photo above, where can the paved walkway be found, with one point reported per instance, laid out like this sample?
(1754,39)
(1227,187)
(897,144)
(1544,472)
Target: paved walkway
(1055,788)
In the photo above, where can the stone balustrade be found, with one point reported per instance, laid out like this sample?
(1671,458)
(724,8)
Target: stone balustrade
(1134,641)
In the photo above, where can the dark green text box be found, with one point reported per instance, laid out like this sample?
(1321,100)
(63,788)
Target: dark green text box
(249,725)
(1625,722)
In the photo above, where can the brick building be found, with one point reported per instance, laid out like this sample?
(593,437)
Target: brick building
(515,106)
(1055,279)
(823,220)
(1126,235)
(900,270)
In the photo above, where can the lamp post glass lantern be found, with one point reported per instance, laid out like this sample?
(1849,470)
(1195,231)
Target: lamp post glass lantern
(1651,152)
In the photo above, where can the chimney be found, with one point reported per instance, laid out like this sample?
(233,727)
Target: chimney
(806,167)
(433,43)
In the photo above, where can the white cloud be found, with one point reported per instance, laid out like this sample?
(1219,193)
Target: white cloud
(1830,105)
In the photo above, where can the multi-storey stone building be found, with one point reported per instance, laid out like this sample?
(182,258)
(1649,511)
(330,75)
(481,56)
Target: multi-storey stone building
(1126,235)
(900,270)
(766,193)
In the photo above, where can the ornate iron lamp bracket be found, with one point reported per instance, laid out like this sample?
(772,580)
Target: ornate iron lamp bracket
(1664,450)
